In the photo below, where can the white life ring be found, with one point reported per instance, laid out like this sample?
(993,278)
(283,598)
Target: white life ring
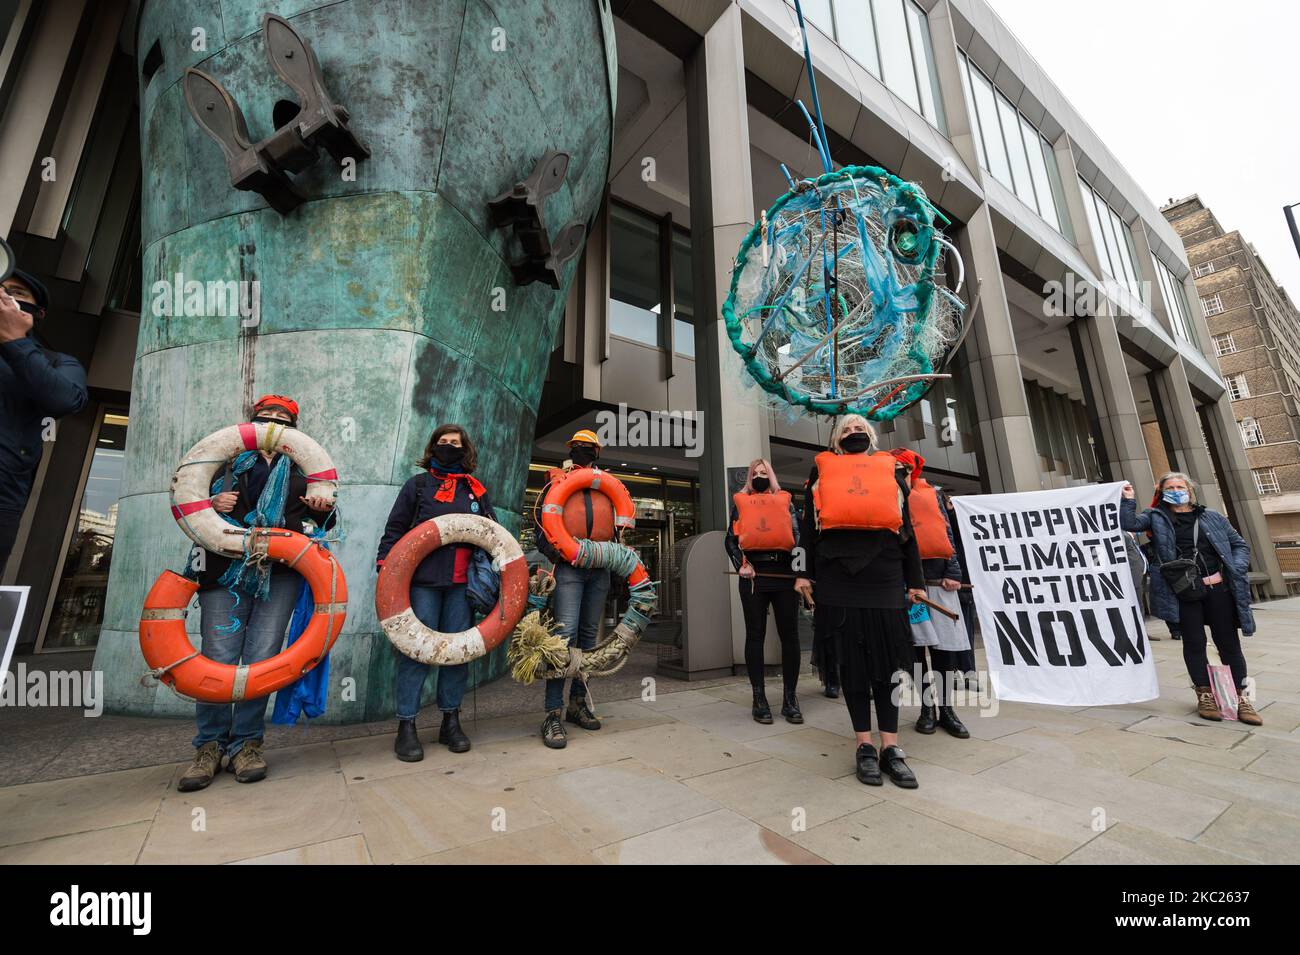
(393,590)
(191,484)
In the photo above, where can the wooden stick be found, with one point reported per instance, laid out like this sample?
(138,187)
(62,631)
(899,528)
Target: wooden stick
(923,600)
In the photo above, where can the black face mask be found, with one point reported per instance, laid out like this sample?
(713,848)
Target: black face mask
(35,311)
(855,443)
(582,456)
(760,484)
(263,420)
(448,455)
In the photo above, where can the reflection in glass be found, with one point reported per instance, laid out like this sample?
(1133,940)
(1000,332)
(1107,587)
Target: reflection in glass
(857,33)
(634,279)
(79,600)
(896,50)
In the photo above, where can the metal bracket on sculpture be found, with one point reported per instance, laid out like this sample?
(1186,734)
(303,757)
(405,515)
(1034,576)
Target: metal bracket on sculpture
(317,121)
(520,208)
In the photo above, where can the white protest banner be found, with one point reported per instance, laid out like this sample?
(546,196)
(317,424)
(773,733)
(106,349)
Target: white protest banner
(1057,607)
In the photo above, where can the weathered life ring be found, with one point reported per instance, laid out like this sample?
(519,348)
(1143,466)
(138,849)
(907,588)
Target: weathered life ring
(393,590)
(192,483)
(173,660)
(552,519)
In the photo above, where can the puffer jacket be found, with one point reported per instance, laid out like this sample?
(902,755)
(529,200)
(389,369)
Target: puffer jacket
(1233,552)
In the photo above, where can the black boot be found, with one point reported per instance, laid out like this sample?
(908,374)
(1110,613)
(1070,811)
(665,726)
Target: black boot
(949,720)
(407,747)
(925,722)
(451,735)
(869,765)
(831,688)
(790,708)
(891,760)
(762,712)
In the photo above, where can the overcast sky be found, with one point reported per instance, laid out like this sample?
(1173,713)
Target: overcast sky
(1191,96)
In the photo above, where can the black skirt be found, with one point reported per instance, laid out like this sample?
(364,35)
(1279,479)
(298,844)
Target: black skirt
(870,644)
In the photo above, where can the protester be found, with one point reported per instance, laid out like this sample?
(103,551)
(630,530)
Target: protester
(439,586)
(966,597)
(580,592)
(762,532)
(37,387)
(246,605)
(859,546)
(938,640)
(1218,594)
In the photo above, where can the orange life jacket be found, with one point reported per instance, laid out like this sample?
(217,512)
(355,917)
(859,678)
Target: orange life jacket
(928,521)
(763,521)
(575,513)
(857,491)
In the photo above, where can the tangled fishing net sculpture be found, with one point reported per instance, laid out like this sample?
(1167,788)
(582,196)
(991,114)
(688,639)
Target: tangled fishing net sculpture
(839,303)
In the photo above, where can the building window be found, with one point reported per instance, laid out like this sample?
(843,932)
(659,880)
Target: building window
(1252,436)
(1205,268)
(1112,239)
(1011,148)
(634,281)
(78,611)
(1212,305)
(891,38)
(1224,345)
(1171,289)
(1266,481)
(1237,387)
(683,296)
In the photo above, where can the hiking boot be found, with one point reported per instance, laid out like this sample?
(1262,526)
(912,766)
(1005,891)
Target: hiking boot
(407,745)
(579,713)
(206,765)
(762,712)
(925,722)
(790,708)
(949,720)
(868,765)
(891,761)
(248,764)
(1206,707)
(451,735)
(553,731)
(1247,714)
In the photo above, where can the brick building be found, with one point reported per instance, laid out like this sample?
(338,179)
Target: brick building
(1255,331)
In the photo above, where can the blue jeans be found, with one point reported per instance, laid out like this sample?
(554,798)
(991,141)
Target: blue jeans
(445,609)
(577,605)
(262,624)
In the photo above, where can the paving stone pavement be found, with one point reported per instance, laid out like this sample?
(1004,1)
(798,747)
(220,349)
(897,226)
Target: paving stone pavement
(688,777)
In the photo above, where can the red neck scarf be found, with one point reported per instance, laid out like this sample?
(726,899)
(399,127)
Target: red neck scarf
(447,489)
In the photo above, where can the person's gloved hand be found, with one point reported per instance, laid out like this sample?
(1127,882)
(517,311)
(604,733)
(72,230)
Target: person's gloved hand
(14,322)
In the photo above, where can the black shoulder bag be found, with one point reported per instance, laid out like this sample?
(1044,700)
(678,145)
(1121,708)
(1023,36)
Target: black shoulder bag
(1184,575)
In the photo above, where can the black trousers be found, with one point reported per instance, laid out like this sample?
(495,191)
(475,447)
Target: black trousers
(859,704)
(941,669)
(785,605)
(1218,610)
(968,618)
(9,521)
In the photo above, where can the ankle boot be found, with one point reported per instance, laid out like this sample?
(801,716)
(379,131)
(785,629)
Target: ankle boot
(762,712)
(1246,713)
(451,735)
(949,720)
(1206,707)
(831,689)
(407,747)
(790,708)
(868,765)
(925,722)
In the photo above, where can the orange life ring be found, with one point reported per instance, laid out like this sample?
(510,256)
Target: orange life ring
(393,590)
(552,519)
(172,657)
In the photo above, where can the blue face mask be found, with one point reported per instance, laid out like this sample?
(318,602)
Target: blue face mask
(1175,497)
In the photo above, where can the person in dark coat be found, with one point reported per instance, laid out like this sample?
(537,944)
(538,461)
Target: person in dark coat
(439,587)
(866,577)
(245,608)
(1182,529)
(37,387)
(966,596)
(761,548)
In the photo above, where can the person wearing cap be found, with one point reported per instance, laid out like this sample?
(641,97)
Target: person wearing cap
(246,607)
(37,386)
(440,585)
(580,593)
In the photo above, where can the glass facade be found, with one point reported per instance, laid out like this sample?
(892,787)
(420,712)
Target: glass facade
(1012,149)
(1171,289)
(635,286)
(79,601)
(1113,240)
(891,38)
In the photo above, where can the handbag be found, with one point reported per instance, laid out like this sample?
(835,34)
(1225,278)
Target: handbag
(1183,575)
